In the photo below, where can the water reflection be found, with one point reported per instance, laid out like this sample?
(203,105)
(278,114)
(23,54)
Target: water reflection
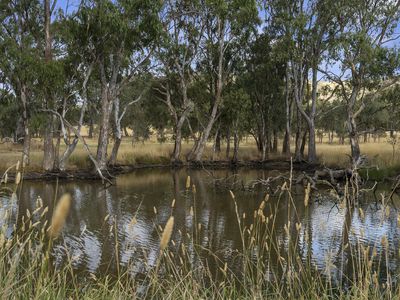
(114,227)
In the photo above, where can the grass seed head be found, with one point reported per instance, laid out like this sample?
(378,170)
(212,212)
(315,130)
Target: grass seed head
(307,194)
(18,178)
(60,215)
(188,182)
(166,236)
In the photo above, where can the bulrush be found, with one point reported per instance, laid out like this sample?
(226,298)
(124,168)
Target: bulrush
(59,216)
(188,182)
(166,236)
(18,178)
(307,194)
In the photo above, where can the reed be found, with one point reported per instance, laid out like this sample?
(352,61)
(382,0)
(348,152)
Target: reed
(26,271)
(59,216)
(167,232)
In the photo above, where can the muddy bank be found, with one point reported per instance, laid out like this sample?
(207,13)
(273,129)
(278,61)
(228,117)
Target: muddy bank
(123,169)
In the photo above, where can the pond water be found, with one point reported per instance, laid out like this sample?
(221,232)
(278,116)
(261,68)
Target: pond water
(100,235)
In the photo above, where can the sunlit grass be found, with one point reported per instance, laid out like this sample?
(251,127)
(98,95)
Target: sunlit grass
(380,154)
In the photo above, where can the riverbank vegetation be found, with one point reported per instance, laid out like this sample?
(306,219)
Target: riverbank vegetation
(153,153)
(78,78)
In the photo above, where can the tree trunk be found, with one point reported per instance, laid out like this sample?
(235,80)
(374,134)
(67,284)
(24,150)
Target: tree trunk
(176,154)
(312,151)
(235,146)
(352,126)
(353,135)
(297,154)
(228,143)
(48,147)
(91,128)
(303,143)
(216,137)
(57,150)
(117,133)
(27,137)
(106,108)
(264,143)
(114,152)
(275,142)
(217,148)
(67,153)
(286,140)
(198,153)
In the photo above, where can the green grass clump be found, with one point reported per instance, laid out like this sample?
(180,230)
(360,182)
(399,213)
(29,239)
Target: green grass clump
(380,174)
(146,159)
(80,161)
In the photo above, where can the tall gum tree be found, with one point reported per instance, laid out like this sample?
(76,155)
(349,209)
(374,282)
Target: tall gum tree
(20,34)
(178,52)
(264,82)
(48,145)
(121,35)
(228,24)
(306,27)
(364,65)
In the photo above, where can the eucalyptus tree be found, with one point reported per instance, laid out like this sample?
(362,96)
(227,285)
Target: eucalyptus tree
(362,64)
(70,91)
(49,101)
(11,128)
(306,27)
(131,94)
(235,113)
(265,82)
(178,52)
(20,37)
(228,25)
(120,35)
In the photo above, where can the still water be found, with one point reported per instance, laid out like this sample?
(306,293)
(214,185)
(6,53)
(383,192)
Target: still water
(119,226)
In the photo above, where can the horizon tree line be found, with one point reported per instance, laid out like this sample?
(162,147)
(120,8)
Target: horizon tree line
(208,70)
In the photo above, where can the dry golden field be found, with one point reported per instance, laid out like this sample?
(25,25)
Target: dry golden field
(379,154)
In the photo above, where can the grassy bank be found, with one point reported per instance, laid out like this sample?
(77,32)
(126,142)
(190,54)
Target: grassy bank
(27,269)
(152,152)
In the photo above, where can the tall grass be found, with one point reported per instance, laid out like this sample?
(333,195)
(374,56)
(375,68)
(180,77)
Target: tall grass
(263,268)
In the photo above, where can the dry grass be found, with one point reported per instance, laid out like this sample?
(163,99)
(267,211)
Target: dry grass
(379,154)
(27,272)
(152,152)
